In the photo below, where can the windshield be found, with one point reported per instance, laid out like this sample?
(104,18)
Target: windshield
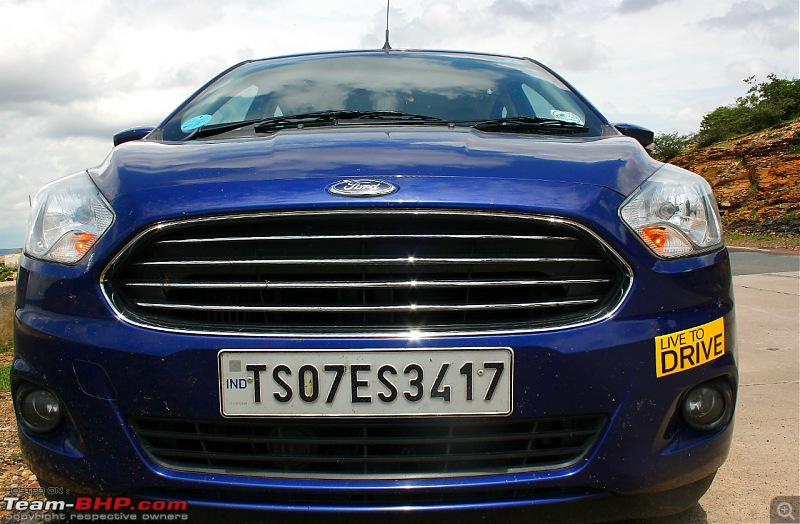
(453,88)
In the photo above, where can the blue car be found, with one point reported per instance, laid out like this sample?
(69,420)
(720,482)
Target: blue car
(378,284)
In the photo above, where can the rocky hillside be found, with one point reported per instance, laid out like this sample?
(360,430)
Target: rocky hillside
(756,179)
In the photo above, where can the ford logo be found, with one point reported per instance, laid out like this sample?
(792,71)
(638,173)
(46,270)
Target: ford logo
(362,188)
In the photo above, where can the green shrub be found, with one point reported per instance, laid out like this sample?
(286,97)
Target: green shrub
(6,271)
(670,145)
(778,99)
(764,105)
(723,122)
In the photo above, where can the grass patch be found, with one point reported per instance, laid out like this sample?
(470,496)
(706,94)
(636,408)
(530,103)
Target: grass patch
(6,271)
(5,369)
(789,240)
(5,378)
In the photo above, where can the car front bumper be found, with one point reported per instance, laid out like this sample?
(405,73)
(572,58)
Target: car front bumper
(105,371)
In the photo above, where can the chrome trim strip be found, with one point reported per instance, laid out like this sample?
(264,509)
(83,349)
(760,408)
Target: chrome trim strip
(369,261)
(363,237)
(360,285)
(411,333)
(359,440)
(365,309)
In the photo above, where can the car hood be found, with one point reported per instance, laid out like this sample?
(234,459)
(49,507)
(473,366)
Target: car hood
(327,155)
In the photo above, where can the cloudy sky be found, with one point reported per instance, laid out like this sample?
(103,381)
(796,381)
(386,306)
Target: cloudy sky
(73,73)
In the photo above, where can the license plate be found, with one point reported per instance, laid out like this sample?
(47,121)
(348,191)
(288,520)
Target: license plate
(374,383)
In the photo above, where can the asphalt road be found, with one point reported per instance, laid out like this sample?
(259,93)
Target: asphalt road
(756,262)
(765,457)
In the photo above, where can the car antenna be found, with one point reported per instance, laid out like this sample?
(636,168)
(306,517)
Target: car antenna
(386,46)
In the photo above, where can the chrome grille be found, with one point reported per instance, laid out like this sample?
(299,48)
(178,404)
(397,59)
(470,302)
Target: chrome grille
(354,449)
(358,273)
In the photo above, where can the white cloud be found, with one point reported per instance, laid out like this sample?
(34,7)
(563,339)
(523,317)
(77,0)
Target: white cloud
(687,117)
(635,6)
(73,73)
(776,23)
(577,52)
(538,13)
(740,70)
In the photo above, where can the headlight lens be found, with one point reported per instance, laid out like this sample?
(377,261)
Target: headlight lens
(674,213)
(67,218)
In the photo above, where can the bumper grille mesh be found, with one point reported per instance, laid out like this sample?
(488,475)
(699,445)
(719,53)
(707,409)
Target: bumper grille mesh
(366,272)
(378,449)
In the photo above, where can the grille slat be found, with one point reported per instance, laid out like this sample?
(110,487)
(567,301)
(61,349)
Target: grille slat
(366,273)
(375,459)
(449,439)
(371,261)
(360,309)
(401,499)
(363,237)
(374,449)
(360,285)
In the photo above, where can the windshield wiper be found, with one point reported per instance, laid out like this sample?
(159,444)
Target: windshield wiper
(340,117)
(315,119)
(529,124)
(218,129)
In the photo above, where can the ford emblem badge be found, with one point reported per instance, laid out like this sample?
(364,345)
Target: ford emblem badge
(362,188)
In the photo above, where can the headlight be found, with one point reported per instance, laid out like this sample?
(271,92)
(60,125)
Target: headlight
(674,213)
(67,218)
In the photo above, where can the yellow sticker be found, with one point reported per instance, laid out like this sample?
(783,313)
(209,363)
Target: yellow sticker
(687,349)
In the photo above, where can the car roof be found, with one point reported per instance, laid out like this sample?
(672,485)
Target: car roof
(417,52)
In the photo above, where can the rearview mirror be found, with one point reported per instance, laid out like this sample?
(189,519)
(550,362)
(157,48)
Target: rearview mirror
(134,133)
(642,135)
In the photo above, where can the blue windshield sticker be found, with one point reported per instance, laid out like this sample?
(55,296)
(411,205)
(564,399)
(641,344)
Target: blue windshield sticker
(195,122)
(566,116)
